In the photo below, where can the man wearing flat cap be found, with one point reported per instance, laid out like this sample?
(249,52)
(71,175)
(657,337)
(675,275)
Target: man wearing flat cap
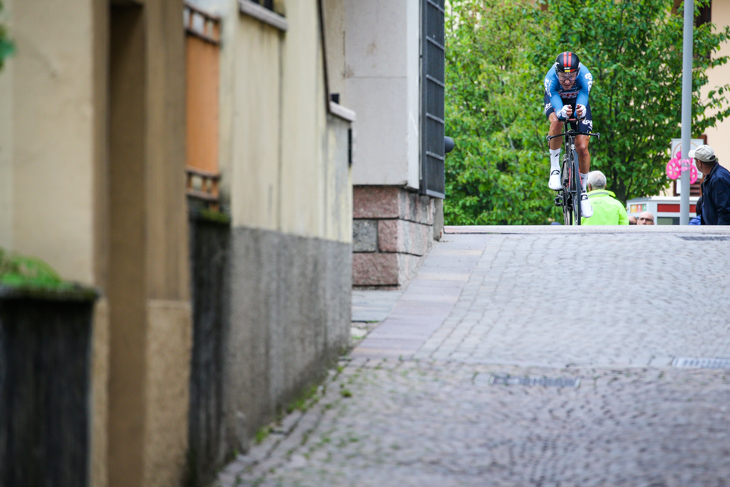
(715,187)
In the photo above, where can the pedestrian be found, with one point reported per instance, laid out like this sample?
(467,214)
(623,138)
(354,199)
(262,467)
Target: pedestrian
(715,187)
(632,220)
(645,218)
(607,210)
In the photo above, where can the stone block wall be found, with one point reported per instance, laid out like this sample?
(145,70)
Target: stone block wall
(393,230)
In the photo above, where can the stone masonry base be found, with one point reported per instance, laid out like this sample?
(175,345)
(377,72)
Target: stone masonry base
(393,230)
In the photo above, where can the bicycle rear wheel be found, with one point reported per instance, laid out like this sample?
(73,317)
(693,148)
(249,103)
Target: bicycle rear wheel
(576,188)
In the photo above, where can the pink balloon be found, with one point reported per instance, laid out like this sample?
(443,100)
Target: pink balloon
(674,168)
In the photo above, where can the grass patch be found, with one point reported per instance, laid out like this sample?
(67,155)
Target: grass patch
(262,434)
(32,274)
(306,400)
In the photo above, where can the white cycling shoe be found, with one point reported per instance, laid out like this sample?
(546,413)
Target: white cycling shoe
(554,182)
(586,210)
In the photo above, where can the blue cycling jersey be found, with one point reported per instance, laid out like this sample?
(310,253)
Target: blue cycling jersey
(580,89)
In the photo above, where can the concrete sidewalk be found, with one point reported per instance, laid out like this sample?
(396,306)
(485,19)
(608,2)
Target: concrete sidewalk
(425,303)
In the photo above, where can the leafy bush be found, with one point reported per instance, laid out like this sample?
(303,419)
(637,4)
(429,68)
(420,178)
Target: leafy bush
(22,271)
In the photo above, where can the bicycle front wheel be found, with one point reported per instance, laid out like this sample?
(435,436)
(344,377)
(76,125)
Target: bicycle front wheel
(566,175)
(576,188)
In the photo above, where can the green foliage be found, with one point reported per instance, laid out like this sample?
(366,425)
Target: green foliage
(498,52)
(495,175)
(634,51)
(262,434)
(6,47)
(21,271)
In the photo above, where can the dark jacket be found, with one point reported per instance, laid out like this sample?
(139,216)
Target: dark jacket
(716,197)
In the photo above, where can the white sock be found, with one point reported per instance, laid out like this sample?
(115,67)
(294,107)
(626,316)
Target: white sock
(583,180)
(554,159)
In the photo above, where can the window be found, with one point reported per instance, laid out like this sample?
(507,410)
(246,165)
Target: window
(202,51)
(263,10)
(433,87)
(265,3)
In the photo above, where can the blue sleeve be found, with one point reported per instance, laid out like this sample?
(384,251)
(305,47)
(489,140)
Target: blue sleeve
(586,83)
(551,90)
(721,199)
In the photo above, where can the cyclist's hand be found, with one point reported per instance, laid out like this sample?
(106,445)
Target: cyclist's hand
(565,112)
(580,111)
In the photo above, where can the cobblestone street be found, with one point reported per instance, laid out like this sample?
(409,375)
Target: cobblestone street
(524,356)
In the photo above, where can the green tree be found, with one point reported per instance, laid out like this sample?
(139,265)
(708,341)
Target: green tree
(634,51)
(498,52)
(495,176)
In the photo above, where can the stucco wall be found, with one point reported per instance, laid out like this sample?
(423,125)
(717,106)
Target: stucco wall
(334,21)
(289,321)
(100,394)
(304,210)
(382,70)
(57,171)
(291,211)
(47,160)
(148,290)
(49,150)
(279,173)
(6,146)
(256,165)
(168,356)
(717,137)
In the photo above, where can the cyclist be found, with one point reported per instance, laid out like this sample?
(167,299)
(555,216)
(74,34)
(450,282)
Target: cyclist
(567,85)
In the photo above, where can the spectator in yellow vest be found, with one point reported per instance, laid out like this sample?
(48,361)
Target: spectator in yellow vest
(607,210)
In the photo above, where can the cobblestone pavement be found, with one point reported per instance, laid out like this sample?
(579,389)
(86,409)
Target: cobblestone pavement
(528,357)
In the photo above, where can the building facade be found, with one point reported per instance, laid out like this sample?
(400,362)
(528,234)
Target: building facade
(392,77)
(91,162)
(93,178)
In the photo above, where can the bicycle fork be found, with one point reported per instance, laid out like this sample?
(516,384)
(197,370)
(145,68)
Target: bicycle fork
(560,197)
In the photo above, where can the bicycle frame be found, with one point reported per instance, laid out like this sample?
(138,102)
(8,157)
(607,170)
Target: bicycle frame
(569,195)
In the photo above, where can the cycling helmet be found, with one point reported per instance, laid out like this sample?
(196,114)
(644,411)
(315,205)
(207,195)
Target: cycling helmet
(566,62)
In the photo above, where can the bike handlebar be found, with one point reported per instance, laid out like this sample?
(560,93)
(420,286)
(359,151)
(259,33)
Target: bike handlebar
(574,133)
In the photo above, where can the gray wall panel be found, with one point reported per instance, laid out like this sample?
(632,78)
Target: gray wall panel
(290,319)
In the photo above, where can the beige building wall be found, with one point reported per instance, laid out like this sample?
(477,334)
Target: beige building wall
(304,171)
(6,145)
(148,286)
(108,211)
(291,209)
(334,22)
(279,172)
(717,137)
(48,151)
(256,164)
(382,86)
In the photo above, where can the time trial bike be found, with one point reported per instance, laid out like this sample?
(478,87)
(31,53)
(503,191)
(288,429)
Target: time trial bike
(568,196)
